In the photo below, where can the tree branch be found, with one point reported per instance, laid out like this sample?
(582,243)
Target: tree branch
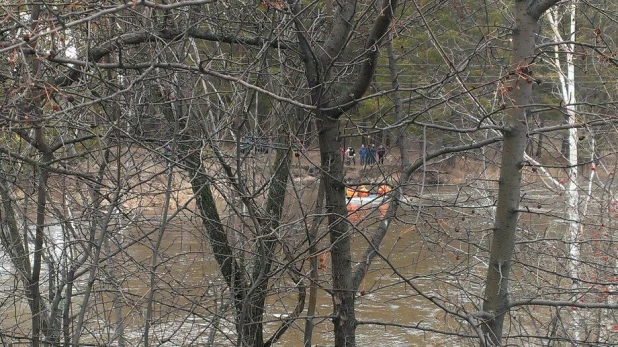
(135,38)
(9,46)
(559,303)
(344,15)
(368,67)
(536,8)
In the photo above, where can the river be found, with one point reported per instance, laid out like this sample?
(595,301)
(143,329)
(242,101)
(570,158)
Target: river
(440,250)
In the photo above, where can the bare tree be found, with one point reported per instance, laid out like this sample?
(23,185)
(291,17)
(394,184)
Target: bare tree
(161,183)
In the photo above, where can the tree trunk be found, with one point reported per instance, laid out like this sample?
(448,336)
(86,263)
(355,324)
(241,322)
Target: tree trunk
(496,299)
(215,232)
(343,296)
(313,265)
(567,83)
(318,64)
(539,146)
(402,136)
(252,316)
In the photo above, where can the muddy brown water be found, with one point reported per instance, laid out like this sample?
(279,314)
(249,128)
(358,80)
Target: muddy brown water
(427,246)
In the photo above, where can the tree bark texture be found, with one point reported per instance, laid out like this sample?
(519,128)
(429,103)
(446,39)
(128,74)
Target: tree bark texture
(496,298)
(343,294)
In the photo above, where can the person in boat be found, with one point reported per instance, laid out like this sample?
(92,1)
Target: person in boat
(363,192)
(350,193)
(383,189)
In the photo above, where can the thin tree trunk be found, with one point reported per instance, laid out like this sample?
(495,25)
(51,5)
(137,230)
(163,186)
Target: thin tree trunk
(98,247)
(32,106)
(251,320)
(313,266)
(402,136)
(567,82)
(318,63)
(541,139)
(155,254)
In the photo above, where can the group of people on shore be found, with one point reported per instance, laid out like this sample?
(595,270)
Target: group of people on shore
(367,155)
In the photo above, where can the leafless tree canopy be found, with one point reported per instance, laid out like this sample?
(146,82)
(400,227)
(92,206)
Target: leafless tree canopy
(177,173)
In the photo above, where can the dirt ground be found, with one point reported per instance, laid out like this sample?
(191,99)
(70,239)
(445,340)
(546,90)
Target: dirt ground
(451,170)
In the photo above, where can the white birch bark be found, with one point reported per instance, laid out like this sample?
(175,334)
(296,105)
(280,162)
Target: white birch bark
(567,83)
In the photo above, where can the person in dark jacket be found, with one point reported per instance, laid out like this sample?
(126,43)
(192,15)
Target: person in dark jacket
(381,154)
(371,155)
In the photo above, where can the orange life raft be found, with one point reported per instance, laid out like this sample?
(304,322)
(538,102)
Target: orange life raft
(362,191)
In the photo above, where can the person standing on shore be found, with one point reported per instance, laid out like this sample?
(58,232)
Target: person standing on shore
(371,155)
(362,151)
(350,154)
(381,154)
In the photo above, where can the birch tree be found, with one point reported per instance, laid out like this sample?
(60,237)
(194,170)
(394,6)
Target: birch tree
(566,76)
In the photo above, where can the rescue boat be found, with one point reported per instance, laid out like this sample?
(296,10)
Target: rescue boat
(361,195)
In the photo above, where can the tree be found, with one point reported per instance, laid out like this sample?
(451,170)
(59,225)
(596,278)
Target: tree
(331,102)
(147,144)
(121,69)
